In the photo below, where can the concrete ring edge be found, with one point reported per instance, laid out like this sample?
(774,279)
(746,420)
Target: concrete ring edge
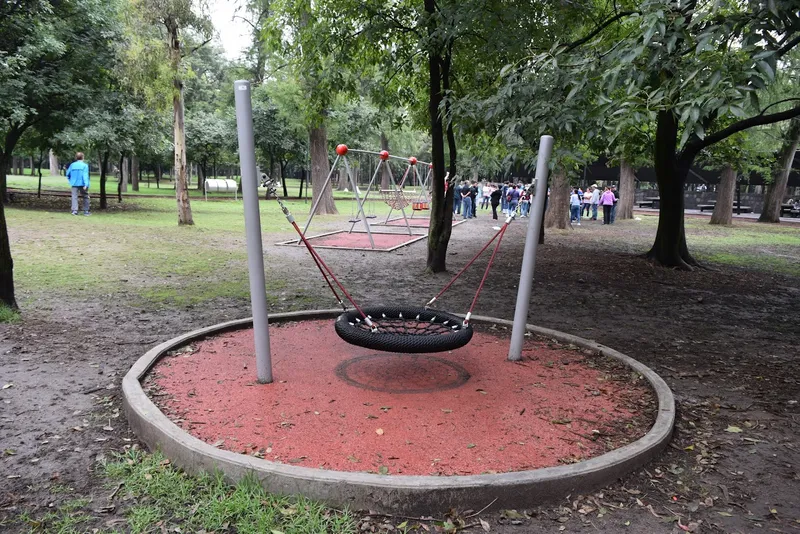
(400,493)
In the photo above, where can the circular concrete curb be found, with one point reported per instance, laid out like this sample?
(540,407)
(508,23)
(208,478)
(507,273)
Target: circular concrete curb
(396,493)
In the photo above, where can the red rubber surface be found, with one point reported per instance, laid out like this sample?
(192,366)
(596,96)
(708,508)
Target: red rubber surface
(360,240)
(391,413)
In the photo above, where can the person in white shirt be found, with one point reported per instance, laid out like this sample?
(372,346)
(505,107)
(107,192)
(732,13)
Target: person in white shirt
(575,201)
(595,201)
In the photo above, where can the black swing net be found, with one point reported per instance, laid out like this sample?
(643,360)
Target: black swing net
(404,329)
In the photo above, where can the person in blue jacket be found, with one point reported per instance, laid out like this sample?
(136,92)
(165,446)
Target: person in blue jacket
(78,176)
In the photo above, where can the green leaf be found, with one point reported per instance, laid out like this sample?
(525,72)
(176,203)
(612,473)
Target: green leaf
(702,42)
(764,67)
(699,130)
(734,429)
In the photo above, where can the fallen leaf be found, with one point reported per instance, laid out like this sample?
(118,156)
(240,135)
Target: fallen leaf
(383,470)
(445,410)
(511,514)
(485,525)
(9,385)
(732,428)
(725,514)
(379,431)
(471,446)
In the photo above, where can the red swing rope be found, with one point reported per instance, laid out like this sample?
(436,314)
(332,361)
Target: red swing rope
(499,234)
(323,267)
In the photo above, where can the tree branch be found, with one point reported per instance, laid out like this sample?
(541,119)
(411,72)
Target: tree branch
(778,102)
(575,44)
(788,46)
(693,148)
(196,48)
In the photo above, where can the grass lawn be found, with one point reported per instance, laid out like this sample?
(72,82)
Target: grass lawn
(59,183)
(137,248)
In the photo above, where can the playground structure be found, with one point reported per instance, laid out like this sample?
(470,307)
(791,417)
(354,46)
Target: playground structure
(353,365)
(395,197)
(211,185)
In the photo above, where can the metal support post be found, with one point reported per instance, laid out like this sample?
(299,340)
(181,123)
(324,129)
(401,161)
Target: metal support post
(252,223)
(529,255)
(358,201)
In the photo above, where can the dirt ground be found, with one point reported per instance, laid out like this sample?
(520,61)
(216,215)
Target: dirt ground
(723,339)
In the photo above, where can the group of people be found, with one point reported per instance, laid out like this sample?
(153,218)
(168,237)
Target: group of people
(581,202)
(509,196)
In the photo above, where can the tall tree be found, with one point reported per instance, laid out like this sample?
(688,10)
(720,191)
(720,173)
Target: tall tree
(691,68)
(55,57)
(782,166)
(178,17)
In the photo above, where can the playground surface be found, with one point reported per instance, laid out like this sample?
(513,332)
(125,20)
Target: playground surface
(462,412)
(720,337)
(357,240)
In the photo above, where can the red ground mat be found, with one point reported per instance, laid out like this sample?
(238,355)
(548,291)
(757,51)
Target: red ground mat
(345,408)
(384,242)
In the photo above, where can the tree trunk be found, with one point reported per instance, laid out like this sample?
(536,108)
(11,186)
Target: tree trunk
(302,183)
(669,248)
(103,179)
(723,209)
(54,170)
(627,190)
(32,166)
(159,173)
(6,262)
(124,176)
(135,173)
(179,131)
(39,172)
(343,182)
(385,172)
(120,180)
(557,214)
(780,175)
(441,218)
(318,146)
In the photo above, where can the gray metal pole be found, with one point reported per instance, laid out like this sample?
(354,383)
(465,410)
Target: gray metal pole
(252,224)
(529,256)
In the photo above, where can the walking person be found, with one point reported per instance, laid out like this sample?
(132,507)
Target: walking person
(513,199)
(587,202)
(575,207)
(466,202)
(473,197)
(495,200)
(607,201)
(78,176)
(457,200)
(487,193)
(595,201)
(524,203)
(614,207)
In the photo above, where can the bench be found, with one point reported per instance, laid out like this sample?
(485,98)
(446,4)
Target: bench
(646,204)
(743,209)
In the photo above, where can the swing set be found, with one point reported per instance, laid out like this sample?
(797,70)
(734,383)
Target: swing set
(405,329)
(396,198)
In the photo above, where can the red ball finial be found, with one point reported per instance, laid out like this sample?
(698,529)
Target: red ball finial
(341,150)
(412,160)
(384,155)
(430,165)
